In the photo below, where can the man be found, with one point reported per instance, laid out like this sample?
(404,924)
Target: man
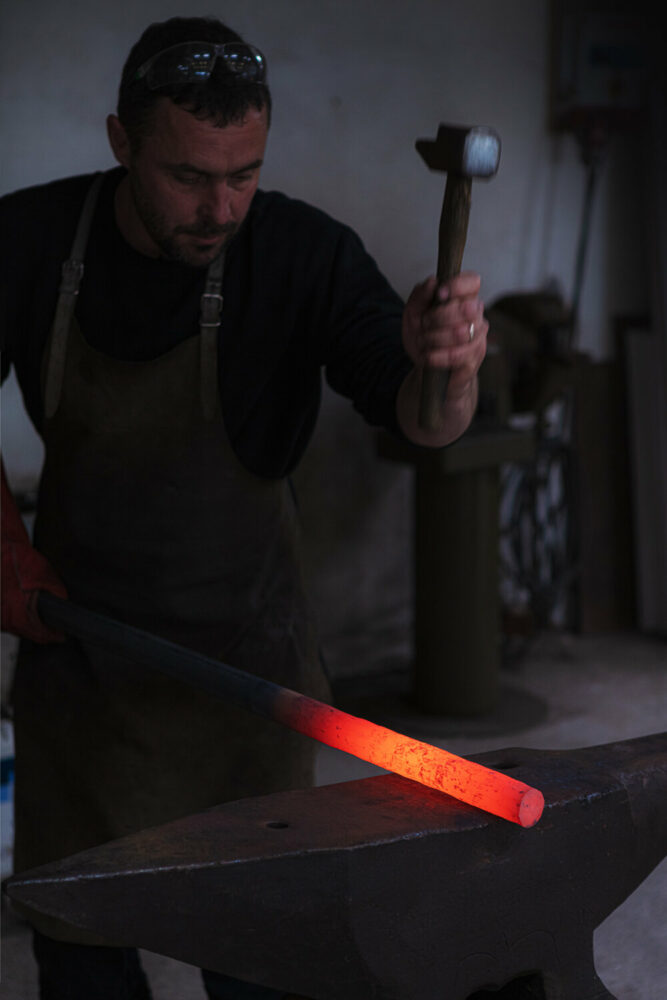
(171,423)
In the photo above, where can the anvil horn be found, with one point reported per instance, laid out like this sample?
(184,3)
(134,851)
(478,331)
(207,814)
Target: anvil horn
(383,888)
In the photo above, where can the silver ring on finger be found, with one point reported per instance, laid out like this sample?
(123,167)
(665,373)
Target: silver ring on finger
(471,331)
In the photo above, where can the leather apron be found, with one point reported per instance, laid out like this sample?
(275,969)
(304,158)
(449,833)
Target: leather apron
(148,516)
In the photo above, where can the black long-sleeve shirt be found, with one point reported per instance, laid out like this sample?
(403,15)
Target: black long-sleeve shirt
(301,294)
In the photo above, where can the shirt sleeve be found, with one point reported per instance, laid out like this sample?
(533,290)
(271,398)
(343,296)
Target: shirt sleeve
(365,359)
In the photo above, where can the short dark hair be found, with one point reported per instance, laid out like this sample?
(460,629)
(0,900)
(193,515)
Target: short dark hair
(212,99)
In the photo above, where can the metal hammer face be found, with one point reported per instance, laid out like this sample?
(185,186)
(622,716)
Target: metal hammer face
(470,152)
(464,153)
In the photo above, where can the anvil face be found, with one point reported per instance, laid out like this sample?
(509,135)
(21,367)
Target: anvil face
(383,888)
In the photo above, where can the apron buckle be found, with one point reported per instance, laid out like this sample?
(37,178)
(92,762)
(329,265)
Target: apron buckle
(71,274)
(211,308)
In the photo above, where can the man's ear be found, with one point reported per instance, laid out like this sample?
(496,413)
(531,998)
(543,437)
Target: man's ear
(118,140)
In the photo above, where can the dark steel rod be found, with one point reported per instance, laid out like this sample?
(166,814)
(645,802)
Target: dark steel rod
(217,678)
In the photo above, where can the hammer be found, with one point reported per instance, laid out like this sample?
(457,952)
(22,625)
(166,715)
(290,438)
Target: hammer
(463,153)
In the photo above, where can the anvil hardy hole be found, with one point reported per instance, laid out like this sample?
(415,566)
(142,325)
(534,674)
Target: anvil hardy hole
(523,988)
(505,765)
(277,824)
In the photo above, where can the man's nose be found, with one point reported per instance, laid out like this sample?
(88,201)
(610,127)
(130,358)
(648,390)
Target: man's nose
(218,203)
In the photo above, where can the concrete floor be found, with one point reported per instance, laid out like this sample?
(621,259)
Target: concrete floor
(567,691)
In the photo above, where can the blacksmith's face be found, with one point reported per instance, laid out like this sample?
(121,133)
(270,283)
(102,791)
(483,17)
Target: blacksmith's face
(189,184)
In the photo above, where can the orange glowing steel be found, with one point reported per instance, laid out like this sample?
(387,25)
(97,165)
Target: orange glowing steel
(479,786)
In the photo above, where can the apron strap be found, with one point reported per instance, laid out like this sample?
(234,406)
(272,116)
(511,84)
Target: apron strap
(72,272)
(209,322)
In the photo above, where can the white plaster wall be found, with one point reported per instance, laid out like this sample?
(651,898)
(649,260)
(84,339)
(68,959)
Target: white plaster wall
(355,82)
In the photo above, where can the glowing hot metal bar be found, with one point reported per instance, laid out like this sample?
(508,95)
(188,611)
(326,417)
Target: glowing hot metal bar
(479,786)
(472,783)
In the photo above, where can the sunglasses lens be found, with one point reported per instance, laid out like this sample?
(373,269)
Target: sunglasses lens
(197,65)
(181,64)
(243,61)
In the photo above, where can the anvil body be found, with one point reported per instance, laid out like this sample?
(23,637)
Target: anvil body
(382,888)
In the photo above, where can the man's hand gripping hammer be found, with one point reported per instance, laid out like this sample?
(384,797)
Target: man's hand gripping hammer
(464,154)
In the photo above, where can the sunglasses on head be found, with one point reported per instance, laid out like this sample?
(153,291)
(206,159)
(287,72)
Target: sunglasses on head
(193,62)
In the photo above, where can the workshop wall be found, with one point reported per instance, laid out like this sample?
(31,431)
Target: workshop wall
(355,82)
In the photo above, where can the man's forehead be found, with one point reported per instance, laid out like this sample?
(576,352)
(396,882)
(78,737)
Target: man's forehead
(180,119)
(180,136)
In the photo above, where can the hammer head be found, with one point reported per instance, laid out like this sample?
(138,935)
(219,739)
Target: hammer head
(468,152)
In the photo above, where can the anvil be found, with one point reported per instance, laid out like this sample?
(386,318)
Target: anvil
(382,888)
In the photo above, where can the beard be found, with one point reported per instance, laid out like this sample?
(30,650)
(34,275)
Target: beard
(179,243)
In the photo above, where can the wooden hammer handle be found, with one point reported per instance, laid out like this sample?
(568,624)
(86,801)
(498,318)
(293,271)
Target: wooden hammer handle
(451,243)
